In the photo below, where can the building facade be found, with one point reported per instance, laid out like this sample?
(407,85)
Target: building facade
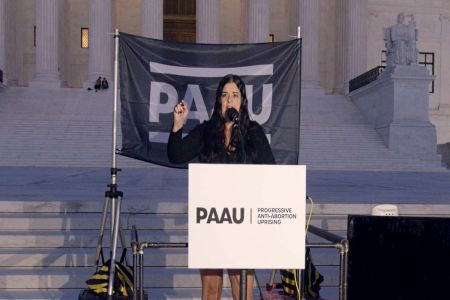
(69,43)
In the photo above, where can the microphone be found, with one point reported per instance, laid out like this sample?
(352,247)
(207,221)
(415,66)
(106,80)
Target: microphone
(232,115)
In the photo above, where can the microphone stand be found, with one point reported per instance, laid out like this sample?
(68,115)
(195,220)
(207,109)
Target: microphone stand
(243,277)
(241,141)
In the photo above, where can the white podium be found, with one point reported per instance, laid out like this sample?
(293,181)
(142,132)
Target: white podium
(246,216)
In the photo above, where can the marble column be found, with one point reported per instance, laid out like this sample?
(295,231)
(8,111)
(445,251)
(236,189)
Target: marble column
(207,14)
(13,48)
(258,21)
(309,23)
(101,41)
(444,77)
(340,57)
(47,36)
(3,15)
(356,39)
(244,21)
(152,21)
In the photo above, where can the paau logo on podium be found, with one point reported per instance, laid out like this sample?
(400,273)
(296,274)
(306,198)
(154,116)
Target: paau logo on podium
(226,215)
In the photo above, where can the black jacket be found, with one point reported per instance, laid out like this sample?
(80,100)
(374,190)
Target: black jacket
(181,150)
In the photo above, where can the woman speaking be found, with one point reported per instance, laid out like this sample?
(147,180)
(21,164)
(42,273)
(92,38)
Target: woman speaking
(228,137)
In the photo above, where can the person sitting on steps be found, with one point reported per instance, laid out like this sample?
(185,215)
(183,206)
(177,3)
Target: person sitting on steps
(98,84)
(105,84)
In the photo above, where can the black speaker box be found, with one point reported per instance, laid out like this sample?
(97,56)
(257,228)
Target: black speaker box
(398,258)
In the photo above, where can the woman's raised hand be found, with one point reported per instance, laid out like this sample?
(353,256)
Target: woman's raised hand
(180,114)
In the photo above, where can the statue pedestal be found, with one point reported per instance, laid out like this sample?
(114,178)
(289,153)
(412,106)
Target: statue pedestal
(397,106)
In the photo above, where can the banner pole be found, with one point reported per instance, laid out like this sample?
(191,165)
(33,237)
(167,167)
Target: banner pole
(299,36)
(113,193)
(301,291)
(116,80)
(113,196)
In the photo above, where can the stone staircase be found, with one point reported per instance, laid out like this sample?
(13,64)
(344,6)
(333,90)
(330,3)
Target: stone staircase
(64,127)
(335,136)
(73,127)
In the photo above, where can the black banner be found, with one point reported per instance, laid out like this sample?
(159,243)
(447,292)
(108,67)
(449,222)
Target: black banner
(155,75)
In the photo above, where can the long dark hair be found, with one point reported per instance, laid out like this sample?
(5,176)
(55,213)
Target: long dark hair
(214,136)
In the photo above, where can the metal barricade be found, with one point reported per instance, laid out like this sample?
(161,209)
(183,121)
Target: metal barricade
(336,242)
(138,261)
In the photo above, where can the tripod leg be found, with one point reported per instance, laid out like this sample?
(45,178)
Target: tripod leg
(113,218)
(102,231)
(134,246)
(123,242)
(302,284)
(259,287)
(272,278)
(141,273)
(115,215)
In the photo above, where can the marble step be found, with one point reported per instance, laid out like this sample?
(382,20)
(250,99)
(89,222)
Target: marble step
(80,221)
(328,293)
(374,166)
(89,238)
(80,238)
(180,207)
(64,294)
(91,221)
(157,277)
(312,163)
(85,257)
(19,160)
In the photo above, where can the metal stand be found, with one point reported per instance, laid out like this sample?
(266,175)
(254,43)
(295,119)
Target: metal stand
(243,284)
(341,244)
(111,202)
(243,276)
(337,242)
(138,262)
(113,197)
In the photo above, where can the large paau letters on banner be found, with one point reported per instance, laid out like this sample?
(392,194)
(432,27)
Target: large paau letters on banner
(163,97)
(266,103)
(156,106)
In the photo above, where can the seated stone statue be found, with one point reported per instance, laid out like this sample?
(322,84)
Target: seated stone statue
(400,40)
